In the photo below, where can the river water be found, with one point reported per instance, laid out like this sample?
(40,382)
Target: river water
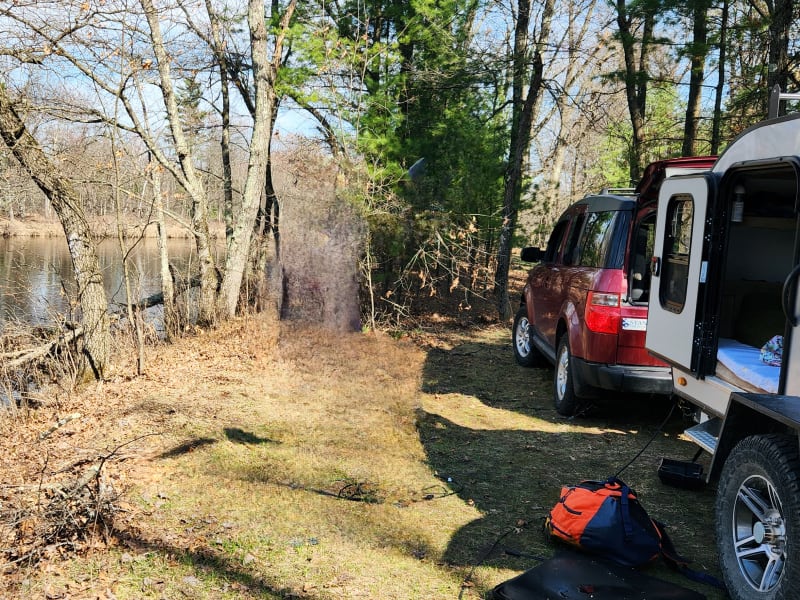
(37,283)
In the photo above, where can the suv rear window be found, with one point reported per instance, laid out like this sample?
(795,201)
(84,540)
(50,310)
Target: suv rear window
(603,243)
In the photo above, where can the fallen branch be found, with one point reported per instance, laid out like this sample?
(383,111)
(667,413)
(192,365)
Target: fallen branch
(156,299)
(60,423)
(40,351)
(65,514)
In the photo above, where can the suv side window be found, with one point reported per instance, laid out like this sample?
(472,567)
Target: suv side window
(677,244)
(572,251)
(598,239)
(554,243)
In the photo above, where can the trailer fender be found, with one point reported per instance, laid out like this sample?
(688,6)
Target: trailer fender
(754,414)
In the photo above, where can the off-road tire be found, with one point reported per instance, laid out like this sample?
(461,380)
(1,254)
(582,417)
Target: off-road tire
(566,402)
(525,353)
(763,472)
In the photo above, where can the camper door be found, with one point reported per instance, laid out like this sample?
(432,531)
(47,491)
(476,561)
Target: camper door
(678,270)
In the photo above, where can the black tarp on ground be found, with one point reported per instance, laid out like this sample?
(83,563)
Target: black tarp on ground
(574,576)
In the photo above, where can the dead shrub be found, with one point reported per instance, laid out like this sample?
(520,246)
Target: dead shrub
(54,519)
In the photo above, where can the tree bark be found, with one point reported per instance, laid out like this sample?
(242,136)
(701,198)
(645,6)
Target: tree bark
(65,201)
(780,24)
(218,46)
(512,191)
(171,320)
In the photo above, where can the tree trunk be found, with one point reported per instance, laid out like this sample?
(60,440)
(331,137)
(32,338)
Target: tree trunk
(512,190)
(171,320)
(192,182)
(85,263)
(780,25)
(264,76)
(636,79)
(522,119)
(716,127)
(134,316)
(698,60)
(513,175)
(225,138)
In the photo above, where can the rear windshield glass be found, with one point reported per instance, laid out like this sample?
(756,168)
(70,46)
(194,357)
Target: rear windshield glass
(603,241)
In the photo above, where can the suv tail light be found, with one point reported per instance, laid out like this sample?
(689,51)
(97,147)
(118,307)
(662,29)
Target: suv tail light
(603,312)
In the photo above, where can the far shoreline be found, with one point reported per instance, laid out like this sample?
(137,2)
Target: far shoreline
(36,226)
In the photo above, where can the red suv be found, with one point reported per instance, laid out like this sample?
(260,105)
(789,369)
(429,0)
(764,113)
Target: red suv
(584,306)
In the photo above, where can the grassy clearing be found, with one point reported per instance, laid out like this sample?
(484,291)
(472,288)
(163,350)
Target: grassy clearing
(299,465)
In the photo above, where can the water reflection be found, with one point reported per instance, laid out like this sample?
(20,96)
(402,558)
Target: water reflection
(37,283)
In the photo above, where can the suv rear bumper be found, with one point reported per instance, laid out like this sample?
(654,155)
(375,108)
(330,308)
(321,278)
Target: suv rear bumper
(588,377)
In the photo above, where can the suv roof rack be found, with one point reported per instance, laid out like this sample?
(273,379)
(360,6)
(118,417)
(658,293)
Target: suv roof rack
(775,98)
(619,191)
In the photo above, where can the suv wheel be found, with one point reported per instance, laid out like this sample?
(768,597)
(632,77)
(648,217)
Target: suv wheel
(524,351)
(567,404)
(758,518)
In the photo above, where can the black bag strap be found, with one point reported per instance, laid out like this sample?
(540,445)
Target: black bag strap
(625,509)
(676,562)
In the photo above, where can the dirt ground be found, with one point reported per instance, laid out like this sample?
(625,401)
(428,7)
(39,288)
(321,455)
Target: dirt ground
(262,460)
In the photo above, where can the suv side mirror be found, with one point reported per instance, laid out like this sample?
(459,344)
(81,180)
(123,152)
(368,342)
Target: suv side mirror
(531,254)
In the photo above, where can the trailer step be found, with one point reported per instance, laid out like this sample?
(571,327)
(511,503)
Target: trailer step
(706,434)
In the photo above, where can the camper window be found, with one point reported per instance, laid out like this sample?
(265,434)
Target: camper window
(677,243)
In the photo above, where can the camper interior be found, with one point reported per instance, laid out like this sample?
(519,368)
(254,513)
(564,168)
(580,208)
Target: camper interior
(760,253)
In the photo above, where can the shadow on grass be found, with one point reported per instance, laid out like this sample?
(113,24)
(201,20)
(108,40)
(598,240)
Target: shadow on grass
(239,436)
(514,477)
(511,467)
(214,566)
(486,370)
(187,447)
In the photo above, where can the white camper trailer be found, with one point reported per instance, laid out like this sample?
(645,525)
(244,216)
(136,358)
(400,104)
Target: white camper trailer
(724,294)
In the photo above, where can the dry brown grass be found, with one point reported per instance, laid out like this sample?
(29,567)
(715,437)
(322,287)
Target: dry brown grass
(267,461)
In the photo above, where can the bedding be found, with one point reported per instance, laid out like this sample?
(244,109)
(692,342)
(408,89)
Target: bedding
(744,362)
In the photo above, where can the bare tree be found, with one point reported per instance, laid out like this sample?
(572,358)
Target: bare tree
(64,199)
(265,74)
(83,39)
(190,176)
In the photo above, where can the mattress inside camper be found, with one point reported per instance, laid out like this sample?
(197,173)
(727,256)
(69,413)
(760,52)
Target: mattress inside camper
(743,364)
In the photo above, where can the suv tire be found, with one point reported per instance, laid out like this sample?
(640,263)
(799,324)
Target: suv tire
(758,518)
(524,351)
(567,404)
